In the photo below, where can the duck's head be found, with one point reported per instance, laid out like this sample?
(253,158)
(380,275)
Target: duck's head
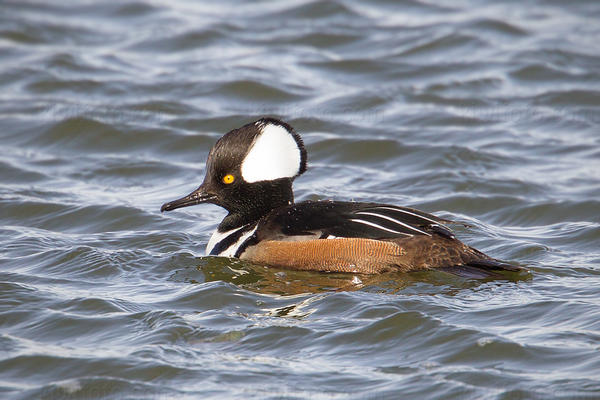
(250,170)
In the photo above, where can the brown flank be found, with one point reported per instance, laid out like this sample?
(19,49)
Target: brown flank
(365,256)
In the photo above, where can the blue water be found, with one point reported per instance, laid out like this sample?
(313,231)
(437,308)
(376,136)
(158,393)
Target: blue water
(483,112)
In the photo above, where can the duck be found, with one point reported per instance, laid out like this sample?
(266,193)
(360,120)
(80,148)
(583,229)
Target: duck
(250,172)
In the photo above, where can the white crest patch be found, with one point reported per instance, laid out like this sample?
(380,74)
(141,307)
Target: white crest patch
(274,154)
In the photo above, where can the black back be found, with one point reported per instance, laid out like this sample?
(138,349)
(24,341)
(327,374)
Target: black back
(321,219)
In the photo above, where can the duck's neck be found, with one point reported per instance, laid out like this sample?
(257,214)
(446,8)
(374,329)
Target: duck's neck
(237,229)
(257,203)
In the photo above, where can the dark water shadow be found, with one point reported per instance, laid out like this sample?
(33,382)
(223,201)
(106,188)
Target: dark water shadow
(284,282)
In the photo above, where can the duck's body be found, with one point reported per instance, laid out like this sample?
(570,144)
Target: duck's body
(250,172)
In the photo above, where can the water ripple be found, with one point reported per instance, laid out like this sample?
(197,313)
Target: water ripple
(485,113)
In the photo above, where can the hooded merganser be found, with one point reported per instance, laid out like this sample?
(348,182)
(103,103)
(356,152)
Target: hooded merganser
(250,171)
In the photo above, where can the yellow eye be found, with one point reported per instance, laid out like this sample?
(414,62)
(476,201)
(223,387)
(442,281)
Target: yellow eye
(227,179)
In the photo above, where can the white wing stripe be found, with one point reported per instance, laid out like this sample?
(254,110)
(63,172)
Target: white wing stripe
(408,212)
(394,220)
(360,221)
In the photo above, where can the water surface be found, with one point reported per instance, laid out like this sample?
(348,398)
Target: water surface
(481,112)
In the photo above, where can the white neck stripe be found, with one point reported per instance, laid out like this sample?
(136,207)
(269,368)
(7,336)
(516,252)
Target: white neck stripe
(230,251)
(218,237)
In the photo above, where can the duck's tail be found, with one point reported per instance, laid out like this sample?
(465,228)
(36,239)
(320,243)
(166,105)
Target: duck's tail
(482,268)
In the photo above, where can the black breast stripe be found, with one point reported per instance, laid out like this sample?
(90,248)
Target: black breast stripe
(252,240)
(230,240)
